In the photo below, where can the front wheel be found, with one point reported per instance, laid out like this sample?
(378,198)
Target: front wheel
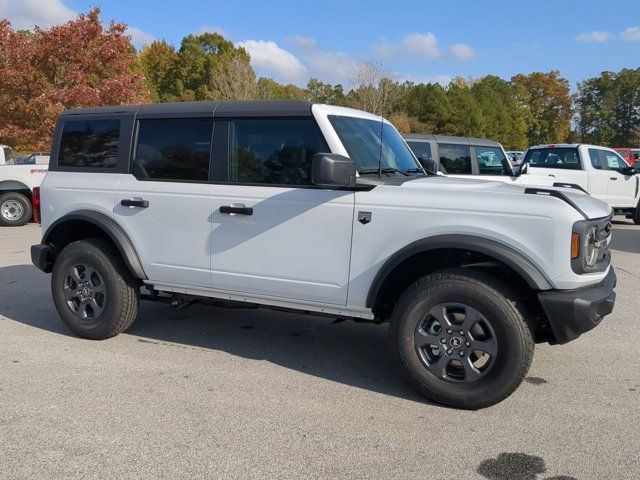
(15,209)
(94,293)
(460,340)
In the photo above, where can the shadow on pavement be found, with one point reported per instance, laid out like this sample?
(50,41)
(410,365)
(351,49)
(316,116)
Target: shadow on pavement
(346,352)
(515,466)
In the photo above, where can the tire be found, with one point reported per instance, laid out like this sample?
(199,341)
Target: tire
(459,296)
(636,215)
(94,293)
(15,210)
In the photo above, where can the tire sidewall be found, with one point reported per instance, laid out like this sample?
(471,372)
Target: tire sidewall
(87,254)
(26,208)
(512,352)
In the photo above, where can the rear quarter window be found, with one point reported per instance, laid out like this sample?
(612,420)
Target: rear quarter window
(558,158)
(90,143)
(455,159)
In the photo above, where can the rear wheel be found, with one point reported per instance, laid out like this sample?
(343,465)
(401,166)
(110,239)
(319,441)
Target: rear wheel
(636,215)
(94,293)
(460,340)
(15,209)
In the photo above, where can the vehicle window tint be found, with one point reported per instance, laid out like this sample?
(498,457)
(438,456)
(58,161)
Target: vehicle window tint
(89,143)
(273,151)
(614,162)
(594,156)
(455,159)
(173,149)
(492,161)
(561,158)
(421,149)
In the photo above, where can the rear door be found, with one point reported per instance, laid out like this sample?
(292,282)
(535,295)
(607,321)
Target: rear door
(598,175)
(275,234)
(164,203)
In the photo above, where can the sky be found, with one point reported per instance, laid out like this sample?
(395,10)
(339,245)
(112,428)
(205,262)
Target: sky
(420,41)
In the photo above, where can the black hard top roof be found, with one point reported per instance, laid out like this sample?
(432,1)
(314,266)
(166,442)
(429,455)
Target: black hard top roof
(484,142)
(226,108)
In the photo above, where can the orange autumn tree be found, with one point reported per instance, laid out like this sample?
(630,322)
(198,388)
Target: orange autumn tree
(81,63)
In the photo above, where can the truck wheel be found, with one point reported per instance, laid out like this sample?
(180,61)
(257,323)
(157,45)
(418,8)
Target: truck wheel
(15,209)
(94,293)
(460,340)
(636,215)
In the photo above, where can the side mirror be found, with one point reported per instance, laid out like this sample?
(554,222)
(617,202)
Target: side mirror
(332,170)
(429,164)
(524,168)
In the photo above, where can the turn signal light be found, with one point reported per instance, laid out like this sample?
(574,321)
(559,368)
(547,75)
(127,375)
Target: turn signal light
(575,246)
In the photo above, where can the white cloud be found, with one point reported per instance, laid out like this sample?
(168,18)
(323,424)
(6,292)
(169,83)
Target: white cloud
(462,51)
(423,45)
(598,37)
(326,65)
(211,29)
(24,14)
(631,34)
(138,37)
(267,55)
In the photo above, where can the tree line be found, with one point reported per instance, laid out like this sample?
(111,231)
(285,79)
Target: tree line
(86,63)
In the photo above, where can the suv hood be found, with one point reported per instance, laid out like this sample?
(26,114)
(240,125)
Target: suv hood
(591,207)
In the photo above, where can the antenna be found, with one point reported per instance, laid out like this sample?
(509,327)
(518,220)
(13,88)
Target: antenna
(380,156)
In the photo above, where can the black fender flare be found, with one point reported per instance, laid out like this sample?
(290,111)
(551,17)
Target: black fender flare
(113,231)
(505,254)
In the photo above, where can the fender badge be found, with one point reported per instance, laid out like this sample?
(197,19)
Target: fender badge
(364,217)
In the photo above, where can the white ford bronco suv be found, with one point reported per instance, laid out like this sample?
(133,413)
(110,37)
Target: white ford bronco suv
(320,210)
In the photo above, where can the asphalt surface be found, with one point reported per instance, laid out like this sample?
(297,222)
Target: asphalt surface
(212,393)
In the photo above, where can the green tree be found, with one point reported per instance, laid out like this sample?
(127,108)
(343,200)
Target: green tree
(158,63)
(547,99)
(609,108)
(326,93)
(272,90)
(465,117)
(427,106)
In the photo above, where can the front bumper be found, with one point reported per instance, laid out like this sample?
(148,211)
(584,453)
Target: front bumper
(574,312)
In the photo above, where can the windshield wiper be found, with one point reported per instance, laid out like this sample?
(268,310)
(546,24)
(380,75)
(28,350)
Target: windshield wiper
(382,170)
(420,170)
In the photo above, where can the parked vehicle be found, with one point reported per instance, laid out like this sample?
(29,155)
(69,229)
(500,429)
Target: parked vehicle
(477,158)
(16,186)
(629,155)
(599,170)
(323,210)
(516,156)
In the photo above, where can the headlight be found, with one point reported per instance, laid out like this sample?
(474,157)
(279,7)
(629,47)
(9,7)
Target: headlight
(591,247)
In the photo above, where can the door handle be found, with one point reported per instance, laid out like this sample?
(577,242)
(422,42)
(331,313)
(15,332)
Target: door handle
(613,178)
(130,202)
(551,175)
(228,209)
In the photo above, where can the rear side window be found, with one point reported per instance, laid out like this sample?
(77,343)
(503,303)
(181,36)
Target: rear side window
(89,143)
(421,149)
(492,161)
(455,159)
(560,158)
(173,149)
(272,151)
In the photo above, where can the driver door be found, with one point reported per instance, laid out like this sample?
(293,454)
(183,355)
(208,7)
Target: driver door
(622,188)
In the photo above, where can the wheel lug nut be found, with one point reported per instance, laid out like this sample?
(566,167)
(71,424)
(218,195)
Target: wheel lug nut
(461,332)
(449,331)
(449,352)
(467,344)
(443,341)
(461,353)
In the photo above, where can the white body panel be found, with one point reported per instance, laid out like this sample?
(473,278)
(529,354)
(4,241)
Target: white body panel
(172,235)
(21,177)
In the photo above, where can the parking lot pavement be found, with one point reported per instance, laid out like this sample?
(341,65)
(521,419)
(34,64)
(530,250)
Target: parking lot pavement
(213,393)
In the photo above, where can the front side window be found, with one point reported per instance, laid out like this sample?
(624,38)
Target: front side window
(89,143)
(594,156)
(373,145)
(273,151)
(421,149)
(614,162)
(9,157)
(492,161)
(455,159)
(173,149)
(559,158)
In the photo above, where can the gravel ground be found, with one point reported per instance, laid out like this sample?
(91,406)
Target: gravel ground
(214,393)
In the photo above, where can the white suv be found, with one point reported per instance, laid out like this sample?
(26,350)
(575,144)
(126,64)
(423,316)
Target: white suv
(321,210)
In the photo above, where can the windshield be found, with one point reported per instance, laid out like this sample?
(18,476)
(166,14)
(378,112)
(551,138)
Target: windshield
(374,144)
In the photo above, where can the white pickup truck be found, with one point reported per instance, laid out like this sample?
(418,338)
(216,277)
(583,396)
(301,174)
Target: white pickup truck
(600,171)
(16,188)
